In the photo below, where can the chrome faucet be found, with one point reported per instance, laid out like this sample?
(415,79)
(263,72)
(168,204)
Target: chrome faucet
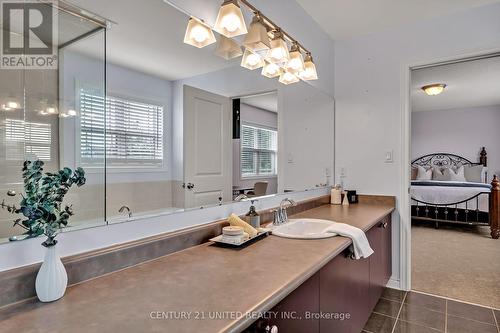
(280,214)
(241,197)
(125,208)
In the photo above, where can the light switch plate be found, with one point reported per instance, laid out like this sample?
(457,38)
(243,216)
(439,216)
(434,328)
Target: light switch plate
(389,156)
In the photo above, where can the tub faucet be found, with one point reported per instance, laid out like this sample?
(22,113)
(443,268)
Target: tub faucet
(125,208)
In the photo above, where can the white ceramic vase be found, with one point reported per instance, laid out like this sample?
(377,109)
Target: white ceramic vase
(52,279)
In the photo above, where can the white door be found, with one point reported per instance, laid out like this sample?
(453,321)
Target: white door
(207,148)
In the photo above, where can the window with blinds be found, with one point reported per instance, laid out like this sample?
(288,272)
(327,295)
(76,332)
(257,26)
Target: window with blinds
(27,140)
(259,148)
(133,135)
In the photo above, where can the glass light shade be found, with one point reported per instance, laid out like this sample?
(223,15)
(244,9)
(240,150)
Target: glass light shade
(257,38)
(251,60)
(230,21)
(288,78)
(198,34)
(309,73)
(279,50)
(296,62)
(228,48)
(434,89)
(271,70)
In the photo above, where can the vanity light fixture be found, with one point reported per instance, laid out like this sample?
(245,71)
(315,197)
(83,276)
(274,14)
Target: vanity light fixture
(309,73)
(257,38)
(198,33)
(251,60)
(296,63)
(279,50)
(434,89)
(288,78)
(227,48)
(271,70)
(230,21)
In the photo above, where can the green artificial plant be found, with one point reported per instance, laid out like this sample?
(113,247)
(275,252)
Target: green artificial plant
(41,204)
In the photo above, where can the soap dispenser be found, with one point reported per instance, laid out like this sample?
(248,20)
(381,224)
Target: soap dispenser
(252,217)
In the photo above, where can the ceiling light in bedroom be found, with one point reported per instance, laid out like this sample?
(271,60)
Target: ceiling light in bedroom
(434,89)
(230,21)
(198,33)
(309,73)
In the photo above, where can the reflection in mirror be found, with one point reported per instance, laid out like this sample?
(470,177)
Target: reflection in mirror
(38,121)
(167,126)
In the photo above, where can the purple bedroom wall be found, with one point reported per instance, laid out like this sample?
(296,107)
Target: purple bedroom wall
(458,131)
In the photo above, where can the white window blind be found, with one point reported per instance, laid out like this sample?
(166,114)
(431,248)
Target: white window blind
(259,148)
(27,140)
(134,131)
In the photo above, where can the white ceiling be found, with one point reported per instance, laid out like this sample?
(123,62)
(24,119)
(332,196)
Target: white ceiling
(267,101)
(469,84)
(148,37)
(343,19)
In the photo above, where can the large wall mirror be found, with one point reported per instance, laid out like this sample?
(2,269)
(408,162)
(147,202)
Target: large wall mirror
(159,126)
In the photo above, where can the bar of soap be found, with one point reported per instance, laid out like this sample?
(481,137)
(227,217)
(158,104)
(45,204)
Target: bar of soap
(232,231)
(235,221)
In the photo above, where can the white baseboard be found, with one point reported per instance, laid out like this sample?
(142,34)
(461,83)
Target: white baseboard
(394,283)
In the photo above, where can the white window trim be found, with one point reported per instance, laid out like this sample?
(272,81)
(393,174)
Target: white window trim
(257,177)
(118,169)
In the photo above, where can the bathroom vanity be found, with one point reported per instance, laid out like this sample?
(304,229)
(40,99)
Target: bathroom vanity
(207,288)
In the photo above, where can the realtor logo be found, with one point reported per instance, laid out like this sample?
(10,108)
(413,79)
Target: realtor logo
(29,35)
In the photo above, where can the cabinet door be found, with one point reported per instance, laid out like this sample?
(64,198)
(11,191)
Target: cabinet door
(377,261)
(344,290)
(290,314)
(387,247)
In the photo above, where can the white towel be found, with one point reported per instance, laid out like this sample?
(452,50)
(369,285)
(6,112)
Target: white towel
(360,243)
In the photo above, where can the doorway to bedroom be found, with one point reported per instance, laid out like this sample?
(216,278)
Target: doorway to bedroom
(455,153)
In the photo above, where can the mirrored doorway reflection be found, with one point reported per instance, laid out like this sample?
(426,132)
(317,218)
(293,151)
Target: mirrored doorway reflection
(255,145)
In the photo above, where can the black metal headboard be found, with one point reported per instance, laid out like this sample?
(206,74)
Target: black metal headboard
(448,160)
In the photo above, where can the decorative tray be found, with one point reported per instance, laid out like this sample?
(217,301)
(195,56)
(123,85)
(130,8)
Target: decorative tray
(220,241)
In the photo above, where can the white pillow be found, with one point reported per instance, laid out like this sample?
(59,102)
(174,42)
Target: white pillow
(423,173)
(440,174)
(474,173)
(455,174)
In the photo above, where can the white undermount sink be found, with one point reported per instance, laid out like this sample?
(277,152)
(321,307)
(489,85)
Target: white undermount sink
(303,229)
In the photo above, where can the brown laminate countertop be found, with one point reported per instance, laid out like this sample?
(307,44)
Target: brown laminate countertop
(205,288)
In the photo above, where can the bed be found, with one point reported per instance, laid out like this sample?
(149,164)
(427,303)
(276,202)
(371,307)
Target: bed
(437,199)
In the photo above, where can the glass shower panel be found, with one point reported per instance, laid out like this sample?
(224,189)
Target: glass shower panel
(41,119)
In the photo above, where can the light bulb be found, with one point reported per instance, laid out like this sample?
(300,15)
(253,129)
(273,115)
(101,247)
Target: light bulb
(251,60)
(230,22)
(288,78)
(13,105)
(271,70)
(199,34)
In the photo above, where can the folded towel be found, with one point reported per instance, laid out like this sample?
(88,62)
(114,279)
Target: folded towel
(360,243)
(234,220)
